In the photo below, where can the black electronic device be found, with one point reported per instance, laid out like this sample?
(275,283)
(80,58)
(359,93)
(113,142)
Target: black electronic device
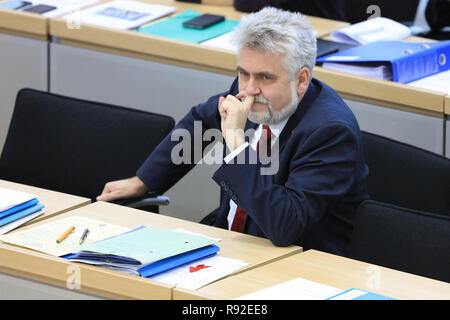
(204,21)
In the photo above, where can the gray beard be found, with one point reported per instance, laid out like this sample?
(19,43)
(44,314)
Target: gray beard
(271,117)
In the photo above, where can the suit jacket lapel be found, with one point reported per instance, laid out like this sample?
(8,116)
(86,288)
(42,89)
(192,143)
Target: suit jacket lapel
(294,120)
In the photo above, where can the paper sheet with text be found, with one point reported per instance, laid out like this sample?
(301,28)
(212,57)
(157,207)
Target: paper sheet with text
(43,237)
(11,198)
(201,272)
(295,289)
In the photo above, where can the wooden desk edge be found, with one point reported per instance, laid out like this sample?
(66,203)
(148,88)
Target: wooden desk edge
(96,281)
(391,94)
(447,105)
(47,216)
(134,43)
(24,24)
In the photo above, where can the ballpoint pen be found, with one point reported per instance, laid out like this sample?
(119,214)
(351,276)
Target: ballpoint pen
(83,237)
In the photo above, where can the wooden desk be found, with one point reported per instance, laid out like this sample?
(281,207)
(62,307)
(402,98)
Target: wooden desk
(24,24)
(55,202)
(326,269)
(101,282)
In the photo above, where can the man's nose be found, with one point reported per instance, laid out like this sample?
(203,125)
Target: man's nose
(253,88)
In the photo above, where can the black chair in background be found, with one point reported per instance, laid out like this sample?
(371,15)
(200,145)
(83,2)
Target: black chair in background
(406,176)
(403,11)
(76,146)
(407,240)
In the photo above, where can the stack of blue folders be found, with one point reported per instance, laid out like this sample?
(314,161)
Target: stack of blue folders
(397,61)
(146,251)
(17,208)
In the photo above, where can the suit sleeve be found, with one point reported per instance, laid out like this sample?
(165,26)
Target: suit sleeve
(320,171)
(181,149)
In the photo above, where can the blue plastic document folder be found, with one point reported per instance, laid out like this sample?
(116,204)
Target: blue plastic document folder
(173,28)
(178,260)
(359,294)
(20,214)
(19,207)
(146,251)
(409,61)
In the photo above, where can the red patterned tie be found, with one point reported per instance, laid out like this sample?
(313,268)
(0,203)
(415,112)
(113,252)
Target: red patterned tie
(264,143)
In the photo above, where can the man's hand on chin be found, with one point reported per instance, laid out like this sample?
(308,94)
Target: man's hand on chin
(234,114)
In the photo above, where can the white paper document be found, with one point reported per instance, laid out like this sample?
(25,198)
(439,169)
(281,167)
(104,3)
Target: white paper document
(439,82)
(201,272)
(382,72)
(195,233)
(43,237)
(121,14)
(221,42)
(295,289)
(11,198)
(371,30)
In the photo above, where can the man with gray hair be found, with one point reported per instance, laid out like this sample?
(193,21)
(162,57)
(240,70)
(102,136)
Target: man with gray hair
(274,111)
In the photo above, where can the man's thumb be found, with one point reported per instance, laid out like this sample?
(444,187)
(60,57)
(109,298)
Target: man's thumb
(248,101)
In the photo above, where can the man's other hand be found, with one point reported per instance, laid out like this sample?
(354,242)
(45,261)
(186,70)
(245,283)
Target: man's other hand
(120,189)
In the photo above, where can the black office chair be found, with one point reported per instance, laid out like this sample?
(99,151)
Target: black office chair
(403,11)
(406,176)
(402,239)
(76,146)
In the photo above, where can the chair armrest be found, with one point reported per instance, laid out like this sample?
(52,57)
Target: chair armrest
(148,199)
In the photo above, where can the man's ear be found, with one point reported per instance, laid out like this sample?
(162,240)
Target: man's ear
(302,81)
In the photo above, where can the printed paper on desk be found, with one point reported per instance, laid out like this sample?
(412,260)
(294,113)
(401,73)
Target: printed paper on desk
(11,198)
(198,234)
(295,289)
(43,237)
(213,269)
(121,14)
(371,30)
(221,42)
(438,82)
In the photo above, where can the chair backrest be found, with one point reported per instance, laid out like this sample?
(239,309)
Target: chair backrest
(400,10)
(406,176)
(402,239)
(76,146)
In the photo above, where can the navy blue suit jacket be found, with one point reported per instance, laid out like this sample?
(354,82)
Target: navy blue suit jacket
(312,198)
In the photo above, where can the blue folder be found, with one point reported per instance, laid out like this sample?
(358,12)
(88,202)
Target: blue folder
(410,61)
(161,265)
(178,260)
(367,295)
(20,214)
(19,207)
